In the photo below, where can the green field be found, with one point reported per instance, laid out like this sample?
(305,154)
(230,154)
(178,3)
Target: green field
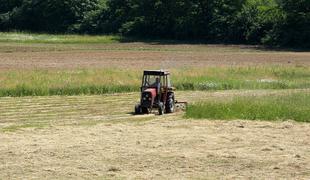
(103,81)
(294,106)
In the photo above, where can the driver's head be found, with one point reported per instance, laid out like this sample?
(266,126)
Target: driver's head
(157,80)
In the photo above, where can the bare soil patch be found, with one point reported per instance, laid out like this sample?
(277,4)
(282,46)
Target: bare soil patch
(141,55)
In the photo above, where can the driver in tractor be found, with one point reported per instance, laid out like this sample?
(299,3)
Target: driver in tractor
(156,84)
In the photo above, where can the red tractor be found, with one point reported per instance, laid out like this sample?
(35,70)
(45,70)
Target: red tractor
(156,92)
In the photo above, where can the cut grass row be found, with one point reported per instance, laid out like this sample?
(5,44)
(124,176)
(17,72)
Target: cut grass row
(102,81)
(294,106)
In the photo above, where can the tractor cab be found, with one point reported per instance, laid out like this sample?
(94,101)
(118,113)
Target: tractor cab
(156,92)
(155,79)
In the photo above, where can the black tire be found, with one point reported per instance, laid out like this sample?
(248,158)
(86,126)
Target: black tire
(145,110)
(170,104)
(161,109)
(138,109)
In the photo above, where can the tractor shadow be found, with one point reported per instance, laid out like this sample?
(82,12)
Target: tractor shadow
(178,108)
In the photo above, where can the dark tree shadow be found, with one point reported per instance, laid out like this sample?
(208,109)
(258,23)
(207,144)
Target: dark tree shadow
(158,41)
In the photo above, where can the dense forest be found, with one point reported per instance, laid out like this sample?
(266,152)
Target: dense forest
(270,22)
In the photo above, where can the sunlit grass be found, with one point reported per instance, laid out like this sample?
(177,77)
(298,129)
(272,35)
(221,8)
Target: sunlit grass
(61,39)
(259,77)
(14,128)
(102,81)
(273,108)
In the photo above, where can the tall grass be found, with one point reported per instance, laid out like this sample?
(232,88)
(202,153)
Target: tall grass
(289,107)
(56,39)
(260,77)
(101,81)
(24,90)
(67,82)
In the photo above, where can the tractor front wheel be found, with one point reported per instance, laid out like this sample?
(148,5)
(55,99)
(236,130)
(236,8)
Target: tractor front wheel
(145,110)
(161,109)
(138,109)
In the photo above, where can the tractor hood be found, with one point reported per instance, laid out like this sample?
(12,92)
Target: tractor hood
(152,91)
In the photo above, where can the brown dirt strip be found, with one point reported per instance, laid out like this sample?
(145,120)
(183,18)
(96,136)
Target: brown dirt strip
(148,56)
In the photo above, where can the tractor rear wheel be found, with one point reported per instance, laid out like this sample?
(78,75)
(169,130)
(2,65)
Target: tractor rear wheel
(170,105)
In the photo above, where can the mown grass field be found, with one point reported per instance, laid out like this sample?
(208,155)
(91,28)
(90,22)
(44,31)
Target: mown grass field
(98,137)
(20,113)
(66,104)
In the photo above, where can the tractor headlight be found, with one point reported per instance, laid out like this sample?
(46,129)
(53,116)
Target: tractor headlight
(146,97)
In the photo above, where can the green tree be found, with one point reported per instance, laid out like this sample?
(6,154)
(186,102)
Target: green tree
(6,8)
(273,22)
(295,28)
(51,15)
(255,20)
(9,5)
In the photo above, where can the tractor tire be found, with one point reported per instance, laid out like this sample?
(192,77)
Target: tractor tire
(138,109)
(170,104)
(145,111)
(161,109)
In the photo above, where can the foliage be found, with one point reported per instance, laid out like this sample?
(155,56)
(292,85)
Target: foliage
(50,15)
(294,29)
(255,19)
(272,22)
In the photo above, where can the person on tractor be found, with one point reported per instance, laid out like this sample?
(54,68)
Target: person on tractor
(156,84)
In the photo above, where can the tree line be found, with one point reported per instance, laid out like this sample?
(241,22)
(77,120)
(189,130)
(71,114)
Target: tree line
(271,22)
